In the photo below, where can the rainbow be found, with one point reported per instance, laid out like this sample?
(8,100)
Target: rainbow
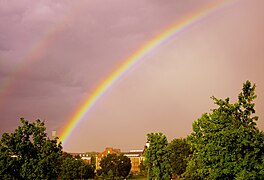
(36,51)
(131,61)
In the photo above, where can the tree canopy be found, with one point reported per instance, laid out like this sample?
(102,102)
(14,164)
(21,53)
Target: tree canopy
(74,168)
(115,165)
(124,166)
(227,143)
(157,157)
(29,154)
(179,152)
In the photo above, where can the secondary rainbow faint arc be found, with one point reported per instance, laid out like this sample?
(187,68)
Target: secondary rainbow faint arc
(37,51)
(132,60)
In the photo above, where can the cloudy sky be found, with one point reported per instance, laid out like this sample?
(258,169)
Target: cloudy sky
(54,53)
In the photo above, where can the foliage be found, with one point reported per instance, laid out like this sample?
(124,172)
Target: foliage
(115,165)
(157,157)
(143,169)
(124,166)
(179,152)
(108,163)
(227,143)
(73,168)
(29,154)
(70,168)
(87,170)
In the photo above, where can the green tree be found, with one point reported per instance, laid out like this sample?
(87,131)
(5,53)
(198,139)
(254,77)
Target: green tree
(70,168)
(87,170)
(124,166)
(116,165)
(227,143)
(143,169)
(73,168)
(179,152)
(29,154)
(110,174)
(108,163)
(157,157)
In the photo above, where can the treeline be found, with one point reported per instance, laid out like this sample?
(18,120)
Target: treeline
(29,154)
(224,144)
(165,160)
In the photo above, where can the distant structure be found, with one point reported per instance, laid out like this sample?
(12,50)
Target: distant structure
(107,150)
(53,134)
(136,157)
(147,145)
(83,156)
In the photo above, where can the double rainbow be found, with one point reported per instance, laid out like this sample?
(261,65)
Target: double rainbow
(36,51)
(140,54)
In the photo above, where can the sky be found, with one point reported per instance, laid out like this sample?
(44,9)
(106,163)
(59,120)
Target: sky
(54,53)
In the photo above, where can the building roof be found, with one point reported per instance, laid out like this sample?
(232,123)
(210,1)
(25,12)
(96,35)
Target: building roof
(133,153)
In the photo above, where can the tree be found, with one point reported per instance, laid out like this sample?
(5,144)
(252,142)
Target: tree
(179,152)
(87,170)
(70,168)
(29,154)
(115,165)
(157,157)
(124,166)
(108,163)
(73,168)
(227,143)
(143,169)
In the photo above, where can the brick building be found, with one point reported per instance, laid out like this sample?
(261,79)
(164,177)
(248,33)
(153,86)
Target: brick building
(107,150)
(135,156)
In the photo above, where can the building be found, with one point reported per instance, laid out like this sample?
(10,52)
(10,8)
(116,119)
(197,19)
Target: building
(135,156)
(83,156)
(107,150)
